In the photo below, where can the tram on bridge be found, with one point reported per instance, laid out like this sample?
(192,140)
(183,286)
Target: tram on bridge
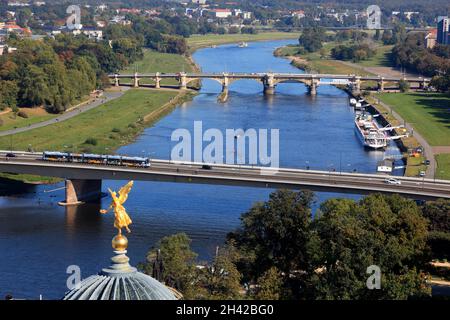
(115,160)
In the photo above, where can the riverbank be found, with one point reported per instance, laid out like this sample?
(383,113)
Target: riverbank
(318,62)
(427,114)
(414,162)
(203,41)
(100,130)
(123,118)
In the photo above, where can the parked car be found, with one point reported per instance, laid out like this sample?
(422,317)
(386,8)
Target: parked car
(427,162)
(392,181)
(422,173)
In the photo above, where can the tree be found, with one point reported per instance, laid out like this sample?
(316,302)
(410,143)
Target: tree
(178,260)
(275,233)
(270,285)
(377,36)
(386,231)
(221,280)
(311,39)
(438,213)
(403,86)
(387,37)
(8,94)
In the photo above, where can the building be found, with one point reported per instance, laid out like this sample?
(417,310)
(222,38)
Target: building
(11,27)
(18,4)
(443,36)
(385,166)
(94,34)
(221,13)
(246,15)
(300,14)
(430,39)
(120,20)
(5,48)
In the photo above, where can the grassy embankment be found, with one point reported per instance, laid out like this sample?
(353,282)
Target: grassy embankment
(202,41)
(121,119)
(11,120)
(315,62)
(321,62)
(159,62)
(429,114)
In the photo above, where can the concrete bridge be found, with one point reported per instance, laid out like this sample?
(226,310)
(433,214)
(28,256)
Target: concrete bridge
(83,181)
(270,80)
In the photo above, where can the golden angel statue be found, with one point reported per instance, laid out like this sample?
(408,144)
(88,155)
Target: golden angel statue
(122,219)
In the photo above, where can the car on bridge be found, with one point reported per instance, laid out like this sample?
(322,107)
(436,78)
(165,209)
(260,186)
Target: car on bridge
(392,181)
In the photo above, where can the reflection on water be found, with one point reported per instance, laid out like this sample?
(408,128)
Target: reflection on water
(39,239)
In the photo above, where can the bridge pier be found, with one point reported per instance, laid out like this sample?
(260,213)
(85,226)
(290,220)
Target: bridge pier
(423,85)
(79,191)
(381,85)
(136,81)
(312,88)
(116,81)
(356,86)
(157,81)
(269,84)
(183,81)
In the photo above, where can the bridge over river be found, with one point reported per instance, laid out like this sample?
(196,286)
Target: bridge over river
(83,181)
(270,80)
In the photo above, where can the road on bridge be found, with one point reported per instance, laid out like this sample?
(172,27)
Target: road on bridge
(266,177)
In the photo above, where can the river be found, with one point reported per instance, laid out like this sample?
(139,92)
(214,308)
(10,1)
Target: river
(39,239)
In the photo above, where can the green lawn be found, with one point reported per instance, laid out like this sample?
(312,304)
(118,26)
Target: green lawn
(429,113)
(110,125)
(414,166)
(443,166)
(200,41)
(380,59)
(324,64)
(10,120)
(154,61)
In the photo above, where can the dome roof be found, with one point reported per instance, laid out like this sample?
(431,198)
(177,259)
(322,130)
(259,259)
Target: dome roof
(132,286)
(120,281)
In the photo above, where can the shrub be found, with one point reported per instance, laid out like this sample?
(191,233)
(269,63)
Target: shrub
(91,141)
(403,86)
(22,114)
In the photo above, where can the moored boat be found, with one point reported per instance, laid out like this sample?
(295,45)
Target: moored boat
(369,133)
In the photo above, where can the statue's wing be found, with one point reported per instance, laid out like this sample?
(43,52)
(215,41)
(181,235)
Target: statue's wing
(123,192)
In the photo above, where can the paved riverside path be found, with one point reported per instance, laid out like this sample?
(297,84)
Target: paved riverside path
(429,152)
(107,96)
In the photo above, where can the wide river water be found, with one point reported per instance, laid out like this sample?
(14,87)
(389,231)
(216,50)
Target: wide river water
(39,239)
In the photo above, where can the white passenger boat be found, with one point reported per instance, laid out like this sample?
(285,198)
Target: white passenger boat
(368,132)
